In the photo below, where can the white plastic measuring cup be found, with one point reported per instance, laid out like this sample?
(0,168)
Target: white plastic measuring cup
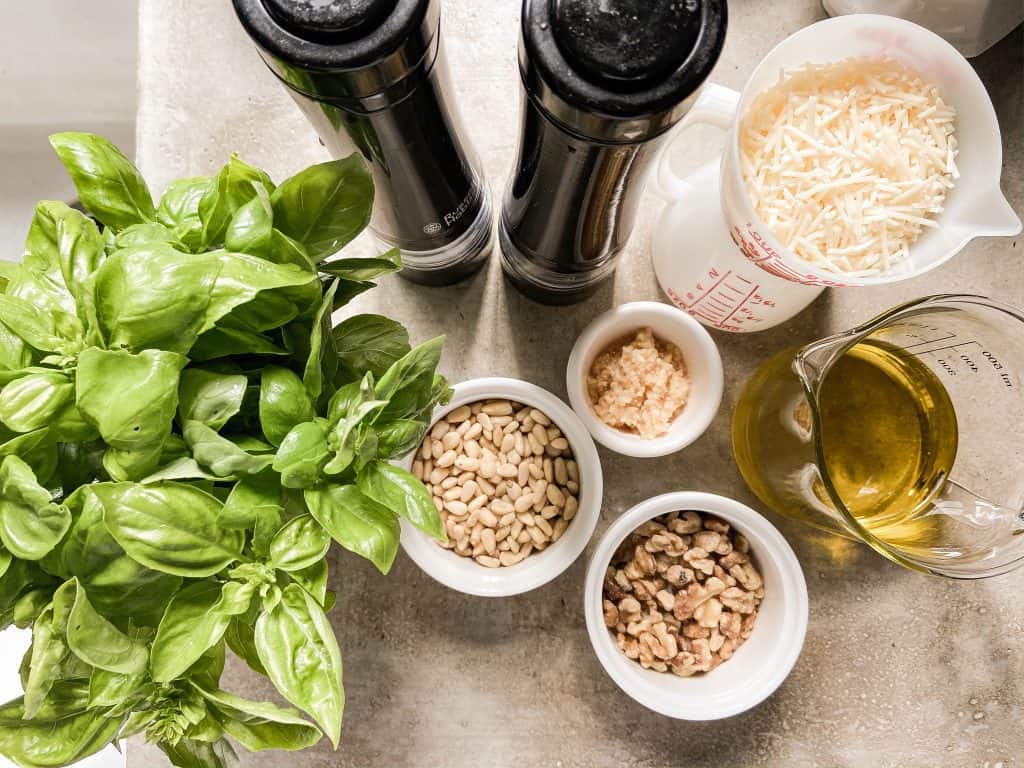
(709,238)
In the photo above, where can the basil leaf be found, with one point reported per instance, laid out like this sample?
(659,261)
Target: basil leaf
(195,620)
(242,277)
(47,294)
(184,468)
(155,297)
(14,352)
(302,455)
(116,584)
(30,605)
(300,653)
(314,580)
(234,186)
(369,343)
(219,454)
(179,209)
(32,401)
(150,523)
(325,206)
(346,433)
(251,227)
(260,725)
(70,426)
(398,438)
(408,383)
(283,403)
(403,494)
(224,342)
(121,693)
(252,499)
(31,525)
(240,639)
(36,449)
(301,543)
(322,361)
(363,269)
(59,741)
(65,245)
(199,754)
(148,233)
(50,658)
(34,326)
(131,398)
(356,522)
(109,185)
(285,250)
(130,465)
(99,643)
(210,397)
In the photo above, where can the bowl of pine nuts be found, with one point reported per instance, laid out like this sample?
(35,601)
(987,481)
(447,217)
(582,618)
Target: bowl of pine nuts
(517,481)
(696,605)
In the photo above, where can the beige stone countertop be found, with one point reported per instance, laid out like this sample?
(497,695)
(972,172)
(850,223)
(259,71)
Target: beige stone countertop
(899,670)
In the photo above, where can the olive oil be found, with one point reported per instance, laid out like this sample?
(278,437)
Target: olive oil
(885,435)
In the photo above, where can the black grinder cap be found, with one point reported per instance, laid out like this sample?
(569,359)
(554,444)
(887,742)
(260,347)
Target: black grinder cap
(346,51)
(619,70)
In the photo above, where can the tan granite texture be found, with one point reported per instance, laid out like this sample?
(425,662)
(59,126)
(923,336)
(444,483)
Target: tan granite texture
(899,670)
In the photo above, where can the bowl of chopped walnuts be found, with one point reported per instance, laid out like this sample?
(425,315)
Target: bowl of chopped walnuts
(696,606)
(516,479)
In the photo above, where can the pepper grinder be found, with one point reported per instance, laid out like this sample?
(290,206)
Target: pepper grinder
(603,81)
(372,78)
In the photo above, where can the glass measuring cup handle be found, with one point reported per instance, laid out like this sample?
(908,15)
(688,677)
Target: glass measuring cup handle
(716,106)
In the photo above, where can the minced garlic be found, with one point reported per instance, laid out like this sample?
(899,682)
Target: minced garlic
(639,384)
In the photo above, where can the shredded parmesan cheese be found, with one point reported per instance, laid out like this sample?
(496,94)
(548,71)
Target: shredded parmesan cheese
(848,162)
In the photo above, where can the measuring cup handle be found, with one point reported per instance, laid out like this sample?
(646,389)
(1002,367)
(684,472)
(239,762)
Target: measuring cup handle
(717,106)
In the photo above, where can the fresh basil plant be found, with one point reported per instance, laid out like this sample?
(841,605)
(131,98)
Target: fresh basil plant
(183,432)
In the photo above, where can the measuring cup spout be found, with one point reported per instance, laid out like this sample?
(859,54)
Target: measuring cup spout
(813,361)
(992,216)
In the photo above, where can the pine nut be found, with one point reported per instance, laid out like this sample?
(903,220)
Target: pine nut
(574,471)
(571,506)
(417,469)
(505,470)
(446,459)
(436,449)
(540,434)
(426,451)
(452,493)
(489,542)
(560,443)
(540,418)
(524,502)
(555,496)
(561,473)
(450,440)
(455,507)
(458,415)
(489,562)
(497,408)
(472,449)
(468,492)
(500,507)
(507,519)
(485,421)
(439,430)
(474,431)
(524,474)
(478,502)
(449,482)
(465,463)
(485,516)
(544,525)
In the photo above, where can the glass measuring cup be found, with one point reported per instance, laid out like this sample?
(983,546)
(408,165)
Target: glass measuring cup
(716,259)
(958,509)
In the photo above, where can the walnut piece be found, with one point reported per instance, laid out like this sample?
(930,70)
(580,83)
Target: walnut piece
(681,593)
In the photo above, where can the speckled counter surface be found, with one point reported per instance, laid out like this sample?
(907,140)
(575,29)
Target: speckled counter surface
(899,669)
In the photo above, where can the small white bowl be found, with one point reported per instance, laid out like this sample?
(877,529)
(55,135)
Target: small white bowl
(466,575)
(759,665)
(703,364)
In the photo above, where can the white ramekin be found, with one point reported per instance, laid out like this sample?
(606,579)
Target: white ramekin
(759,665)
(466,575)
(703,364)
